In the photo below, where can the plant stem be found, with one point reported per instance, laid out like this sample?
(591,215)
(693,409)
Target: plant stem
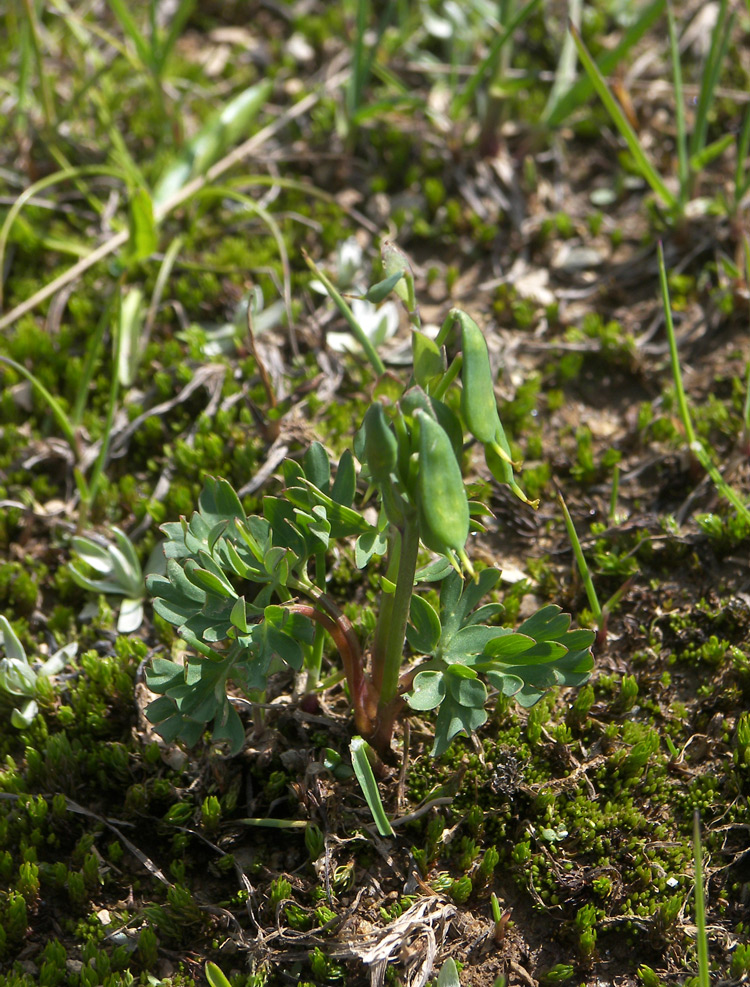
(339,627)
(387,664)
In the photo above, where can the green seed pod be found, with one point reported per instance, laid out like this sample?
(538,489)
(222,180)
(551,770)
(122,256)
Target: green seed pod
(478,404)
(443,507)
(380,446)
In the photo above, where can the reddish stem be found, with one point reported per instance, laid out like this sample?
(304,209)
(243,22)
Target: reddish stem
(340,628)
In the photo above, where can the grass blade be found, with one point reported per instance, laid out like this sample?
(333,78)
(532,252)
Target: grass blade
(717,51)
(700,904)
(488,63)
(620,121)
(363,770)
(583,566)
(683,166)
(129,27)
(359,335)
(40,186)
(565,73)
(65,424)
(577,95)
(696,446)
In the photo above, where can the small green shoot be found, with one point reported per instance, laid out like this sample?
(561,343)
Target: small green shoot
(361,753)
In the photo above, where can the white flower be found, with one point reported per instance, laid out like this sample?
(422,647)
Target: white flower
(378,324)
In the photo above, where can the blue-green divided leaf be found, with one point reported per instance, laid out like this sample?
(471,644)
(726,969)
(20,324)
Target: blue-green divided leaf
(538,653)
(345,485)
(159,709)
(344,521)
(238,616)
(315,527)
(207,628)
(372,542)
(547,624)
(428,690)
(170,727)
(464,687)
(423,630)
(282,517)
(506,647)
(508,685)
(470,640)
(228,726)
(363,770)
(181,584)
(452,718)
(457,601)
(256,533)
(163,674)
(170,602)
(280,634)
(276,562)
(485,613)
(219,502)
(317,467)
(433,572)
(208,581)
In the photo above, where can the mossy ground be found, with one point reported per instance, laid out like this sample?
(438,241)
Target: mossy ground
(125,861)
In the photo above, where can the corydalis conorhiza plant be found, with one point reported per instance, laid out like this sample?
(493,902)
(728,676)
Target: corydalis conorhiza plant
(240,591)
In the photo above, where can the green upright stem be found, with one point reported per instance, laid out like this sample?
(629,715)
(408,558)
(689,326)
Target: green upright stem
(391,658)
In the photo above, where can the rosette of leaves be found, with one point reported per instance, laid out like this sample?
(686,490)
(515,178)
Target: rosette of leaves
(243,637)
(465,654)
(24,682)
(119,574)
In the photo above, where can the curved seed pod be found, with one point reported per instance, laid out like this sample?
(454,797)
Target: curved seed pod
(478,403)
(380,446)
(443,507)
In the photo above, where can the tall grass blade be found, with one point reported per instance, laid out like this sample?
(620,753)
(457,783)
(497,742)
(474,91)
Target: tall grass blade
(683,166)
(583,566)
(211,142)
(65,174)
(570,101)
(621,122)
(93,349)
(176,25)
(700,904)
(145,52)
(717,52)
(363,770)
(362,338)
(696,446)
(565,73)
(489,62)
(58,412)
